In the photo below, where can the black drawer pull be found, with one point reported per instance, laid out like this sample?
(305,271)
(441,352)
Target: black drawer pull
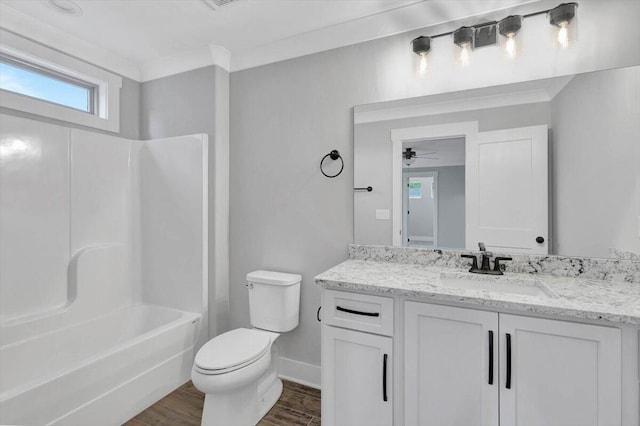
(351,311)
(490,357)
(508,384)
(384,378)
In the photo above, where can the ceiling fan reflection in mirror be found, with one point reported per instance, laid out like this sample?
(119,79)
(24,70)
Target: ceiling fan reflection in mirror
(409,156)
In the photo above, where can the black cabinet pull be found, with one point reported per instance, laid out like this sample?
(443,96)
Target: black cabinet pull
(508,384)
(490,357)
(384,377)
(351,311)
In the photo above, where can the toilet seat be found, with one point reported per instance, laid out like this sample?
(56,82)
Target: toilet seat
(231,351)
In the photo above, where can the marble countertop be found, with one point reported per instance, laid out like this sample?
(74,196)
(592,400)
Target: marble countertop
(577,298)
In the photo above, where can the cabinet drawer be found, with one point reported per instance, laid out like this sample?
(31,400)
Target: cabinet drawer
(373,314)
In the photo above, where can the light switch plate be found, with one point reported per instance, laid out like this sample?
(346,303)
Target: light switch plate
(383,214)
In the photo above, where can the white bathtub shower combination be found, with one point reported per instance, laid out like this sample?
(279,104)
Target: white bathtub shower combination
(102,271)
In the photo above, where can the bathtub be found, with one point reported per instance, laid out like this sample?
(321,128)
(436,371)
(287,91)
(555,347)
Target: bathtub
(99,372)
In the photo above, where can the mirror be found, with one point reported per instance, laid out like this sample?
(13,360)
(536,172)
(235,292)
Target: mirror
(546,166)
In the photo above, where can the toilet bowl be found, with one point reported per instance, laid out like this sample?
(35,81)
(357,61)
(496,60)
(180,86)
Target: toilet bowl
(238,373)
(238,370)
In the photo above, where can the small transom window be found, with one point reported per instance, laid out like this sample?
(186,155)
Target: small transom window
(37,82)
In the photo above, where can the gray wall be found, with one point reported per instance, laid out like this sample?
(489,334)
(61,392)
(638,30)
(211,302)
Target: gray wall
(178,105)
(451,224)
(285,116)
(197,102)
(129,113)
(372,158)
(596,163)
(286,216)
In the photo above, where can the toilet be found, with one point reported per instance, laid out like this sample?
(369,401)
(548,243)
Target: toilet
(238,370)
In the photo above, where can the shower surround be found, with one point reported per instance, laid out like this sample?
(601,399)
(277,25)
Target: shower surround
(103,271)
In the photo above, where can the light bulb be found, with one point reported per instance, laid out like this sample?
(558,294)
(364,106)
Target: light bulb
(563,35)
(422,67)
(465,54)
(510,46)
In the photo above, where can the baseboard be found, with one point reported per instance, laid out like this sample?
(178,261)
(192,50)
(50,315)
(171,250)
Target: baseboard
(300,372)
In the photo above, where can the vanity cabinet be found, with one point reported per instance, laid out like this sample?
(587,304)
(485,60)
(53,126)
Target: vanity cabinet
(464,366)
(357,359)
(451,366)
(356,389)
(562,373)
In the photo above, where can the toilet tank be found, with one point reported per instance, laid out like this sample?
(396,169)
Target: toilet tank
(274,300)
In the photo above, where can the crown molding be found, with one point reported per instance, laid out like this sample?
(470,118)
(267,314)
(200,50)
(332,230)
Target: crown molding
(384,24)
(185,61)
(415,16)
(490,97)
(25,26)
(221,57)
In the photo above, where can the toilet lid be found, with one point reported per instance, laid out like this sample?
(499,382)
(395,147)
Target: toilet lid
(235,347)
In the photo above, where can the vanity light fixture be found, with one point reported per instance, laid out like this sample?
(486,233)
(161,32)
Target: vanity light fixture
(463,38)
(508,29)
(562,18)
(421,47)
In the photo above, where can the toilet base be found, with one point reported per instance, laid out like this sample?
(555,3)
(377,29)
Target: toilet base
(236,408)
(247,404)
(270,395)
(244,406)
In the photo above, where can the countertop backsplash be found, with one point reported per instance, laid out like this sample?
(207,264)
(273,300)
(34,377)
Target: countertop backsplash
(558,266)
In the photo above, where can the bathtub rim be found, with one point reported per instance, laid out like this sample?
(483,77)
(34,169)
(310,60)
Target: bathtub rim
(185,317)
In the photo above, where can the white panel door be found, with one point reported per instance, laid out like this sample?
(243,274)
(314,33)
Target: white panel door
(561,373)
(507,190)
(451,366)
(356,378)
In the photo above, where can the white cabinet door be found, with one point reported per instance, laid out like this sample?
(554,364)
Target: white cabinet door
(356,378)
(561,373)
(451,366)
(507,190)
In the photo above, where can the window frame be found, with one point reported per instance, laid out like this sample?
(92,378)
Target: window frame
(27,54)
(92,89)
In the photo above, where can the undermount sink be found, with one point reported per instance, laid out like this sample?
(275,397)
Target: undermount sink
(495,284)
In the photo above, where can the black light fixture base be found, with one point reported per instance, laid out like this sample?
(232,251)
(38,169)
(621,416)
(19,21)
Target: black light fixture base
(421,45)
(510,25)
(463,36)
(562,14)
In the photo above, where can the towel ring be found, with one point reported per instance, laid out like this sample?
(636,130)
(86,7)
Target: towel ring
(334,155)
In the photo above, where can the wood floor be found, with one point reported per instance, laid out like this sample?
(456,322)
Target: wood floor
(298,405)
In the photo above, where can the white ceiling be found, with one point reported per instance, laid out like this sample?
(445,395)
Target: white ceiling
(151,36)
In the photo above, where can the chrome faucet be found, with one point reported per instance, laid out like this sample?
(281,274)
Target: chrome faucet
(485,267)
